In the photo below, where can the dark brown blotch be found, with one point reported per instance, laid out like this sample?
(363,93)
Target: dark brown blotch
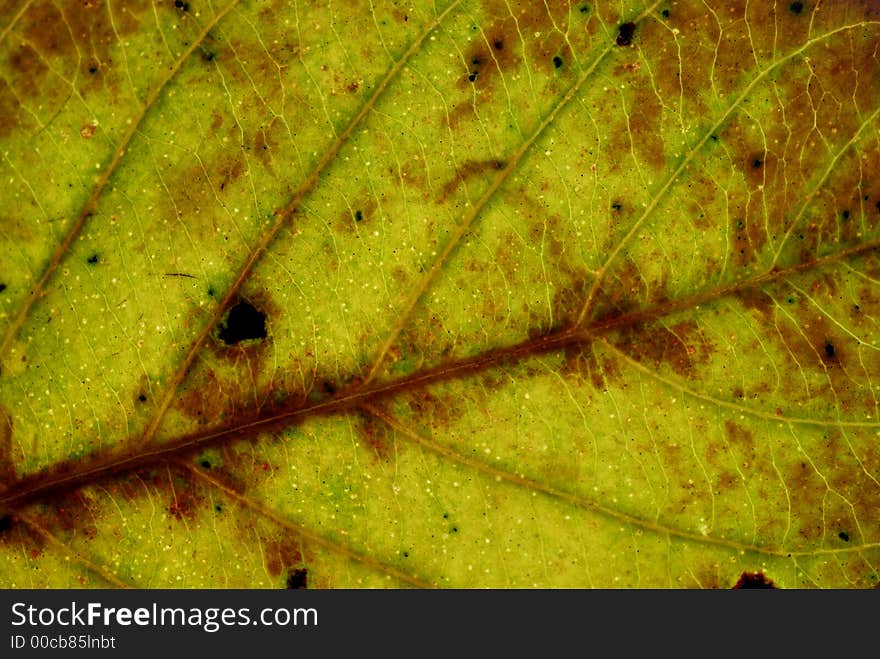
(467,171)
(748,580)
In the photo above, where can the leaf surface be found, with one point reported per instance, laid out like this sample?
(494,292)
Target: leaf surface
(464,294)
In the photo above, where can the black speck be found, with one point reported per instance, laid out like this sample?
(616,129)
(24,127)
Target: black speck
(557,61)
(829,350)
(714,138)
(791,300)
(476,61)
(2,287)
(617,206)
(358,215)
(757,163)
(328,388)
(753,580)
(796,8)
(205,464)
(218,508)
(585,8)
(406,554)
(878,206)
(209,55)
(843,535)
(5,523)
(211,291)
(665,13)
(243,322)
(455,529)
(93,69)
(625,34)
(845,215)
(498,44)
(142,398)
(298,579)
(472,77)
(181,5)
(93,259)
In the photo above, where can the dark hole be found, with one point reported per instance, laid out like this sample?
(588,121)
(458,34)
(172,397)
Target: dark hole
(205,464)
(557,61)
(93,69)
(209,56)
(616,206)
(585,9)
(796,7)
(298,580)
(406,554)
(878,206)
(93,259)
(498,44)
(665,13)
(218,508)
(472,77)
(757,162)
(829,350)
(211,291)
(845,215)
(181,5)
(858,308)
(5,523)
(625,34)
(328,388)
(2,287)
(455,529)
(243,322)
(843,535)
(753,580)
(142,398)
(358,216)
(476,61)
(740,224)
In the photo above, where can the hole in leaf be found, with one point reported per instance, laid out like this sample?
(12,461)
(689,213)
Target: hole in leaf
(498,44)
(242,323)
(180,4)
(757,163)
(93,259)
(2,287)
(557,61)
(625,34)
(298,579)
(142,398)
(5,523)
(472,77)
(750,580)
(845,215)
(205,464)
(358,215)
(843,535)
(585,8)
(796,8)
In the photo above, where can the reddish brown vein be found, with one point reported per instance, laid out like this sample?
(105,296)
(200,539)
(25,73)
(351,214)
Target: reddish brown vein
(71,474)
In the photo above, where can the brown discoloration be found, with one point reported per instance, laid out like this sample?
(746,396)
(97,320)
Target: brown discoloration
(9,110)
(282,553)
(27,68)
(186,497)
(583,361)
(203,397)
(362,212)
(377,435)
(80,31)
(470,169)
(7,460)
(682,347)
(264,144)
(753,580)
(492,53)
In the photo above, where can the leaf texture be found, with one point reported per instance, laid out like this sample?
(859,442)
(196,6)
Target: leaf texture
(458,294)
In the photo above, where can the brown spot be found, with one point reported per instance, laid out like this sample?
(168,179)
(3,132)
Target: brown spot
(80,31)
(377,435)
(9,110)
(281,554)
(203,397)
(753,580)
(7,461)
(470,169)
(185,497)
(87,131)
(682,347)
(361,213)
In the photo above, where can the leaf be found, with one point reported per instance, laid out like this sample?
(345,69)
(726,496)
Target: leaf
(469,294)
